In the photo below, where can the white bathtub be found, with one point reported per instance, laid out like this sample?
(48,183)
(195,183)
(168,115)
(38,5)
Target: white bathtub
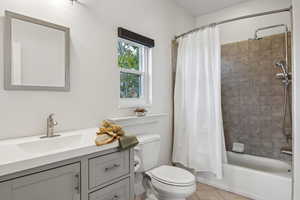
(254,177)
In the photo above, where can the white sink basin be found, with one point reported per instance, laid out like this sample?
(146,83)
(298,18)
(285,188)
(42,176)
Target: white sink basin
(47,145)
(29,152)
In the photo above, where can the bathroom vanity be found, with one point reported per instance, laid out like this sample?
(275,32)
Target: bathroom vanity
(69,167)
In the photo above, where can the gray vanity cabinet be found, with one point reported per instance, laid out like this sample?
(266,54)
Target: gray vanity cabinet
(56,184)
(105,175)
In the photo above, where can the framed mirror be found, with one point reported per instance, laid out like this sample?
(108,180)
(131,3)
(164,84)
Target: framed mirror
(36,54)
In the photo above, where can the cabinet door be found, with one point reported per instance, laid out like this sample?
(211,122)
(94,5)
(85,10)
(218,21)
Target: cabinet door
(61,183)
(116,191)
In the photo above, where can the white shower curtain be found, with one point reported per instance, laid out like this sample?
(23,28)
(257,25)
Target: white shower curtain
(198,129)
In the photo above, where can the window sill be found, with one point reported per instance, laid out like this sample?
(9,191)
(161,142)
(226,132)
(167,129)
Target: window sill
(128,105)
(128,121)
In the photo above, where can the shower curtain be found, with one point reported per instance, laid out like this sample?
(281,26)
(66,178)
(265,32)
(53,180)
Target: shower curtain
(198,126)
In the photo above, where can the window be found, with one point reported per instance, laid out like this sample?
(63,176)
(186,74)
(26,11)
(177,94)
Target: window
(134,65)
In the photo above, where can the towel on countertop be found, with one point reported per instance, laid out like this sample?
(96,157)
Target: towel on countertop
(127,142)
(110,132)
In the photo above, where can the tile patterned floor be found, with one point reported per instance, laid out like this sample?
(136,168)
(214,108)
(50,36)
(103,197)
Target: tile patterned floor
(205,192)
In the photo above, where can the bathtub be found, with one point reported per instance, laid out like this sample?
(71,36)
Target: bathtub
(254,177)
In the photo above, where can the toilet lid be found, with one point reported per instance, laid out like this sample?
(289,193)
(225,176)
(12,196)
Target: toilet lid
(173,176)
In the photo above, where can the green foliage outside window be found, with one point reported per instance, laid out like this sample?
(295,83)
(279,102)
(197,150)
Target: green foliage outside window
(128,58)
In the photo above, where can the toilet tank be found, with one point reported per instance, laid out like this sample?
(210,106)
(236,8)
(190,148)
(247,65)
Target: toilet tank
(148,151)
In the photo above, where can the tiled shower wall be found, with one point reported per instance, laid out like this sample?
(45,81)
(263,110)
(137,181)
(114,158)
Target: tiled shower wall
(252,97)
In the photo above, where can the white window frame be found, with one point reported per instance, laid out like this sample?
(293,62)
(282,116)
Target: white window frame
(145,99)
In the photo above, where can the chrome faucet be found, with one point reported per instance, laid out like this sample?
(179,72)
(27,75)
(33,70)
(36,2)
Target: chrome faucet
(51,123)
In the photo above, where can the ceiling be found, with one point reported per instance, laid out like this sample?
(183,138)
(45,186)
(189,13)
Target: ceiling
(200,7)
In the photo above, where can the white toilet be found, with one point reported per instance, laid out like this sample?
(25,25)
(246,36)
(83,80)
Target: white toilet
(166,182)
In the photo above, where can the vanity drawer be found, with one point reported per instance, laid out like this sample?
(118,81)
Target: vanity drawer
(108,167)
(116,191)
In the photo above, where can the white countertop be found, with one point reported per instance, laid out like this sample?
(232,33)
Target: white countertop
(30,152)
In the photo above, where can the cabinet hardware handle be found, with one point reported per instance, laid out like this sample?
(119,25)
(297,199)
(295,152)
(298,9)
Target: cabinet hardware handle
(116,197)
(77,183)
(112,167)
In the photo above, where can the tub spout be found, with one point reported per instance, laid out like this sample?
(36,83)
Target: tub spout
(287,150)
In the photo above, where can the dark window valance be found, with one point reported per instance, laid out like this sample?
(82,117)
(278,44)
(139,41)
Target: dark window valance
(134,37)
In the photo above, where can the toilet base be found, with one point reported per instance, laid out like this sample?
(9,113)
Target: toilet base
(156,190)
(151,195)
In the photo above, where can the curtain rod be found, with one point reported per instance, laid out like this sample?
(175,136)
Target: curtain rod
(236,19)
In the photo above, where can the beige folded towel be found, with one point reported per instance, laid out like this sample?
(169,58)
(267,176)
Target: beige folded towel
(110,132)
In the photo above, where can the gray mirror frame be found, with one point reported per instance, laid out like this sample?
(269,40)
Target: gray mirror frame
(8,47)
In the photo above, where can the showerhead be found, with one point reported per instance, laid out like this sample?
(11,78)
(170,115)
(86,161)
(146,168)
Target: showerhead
(266,28)
(282,66)
(285,76)
(256,37)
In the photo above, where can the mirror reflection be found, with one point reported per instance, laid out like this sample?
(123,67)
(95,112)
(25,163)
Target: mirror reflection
(38,57)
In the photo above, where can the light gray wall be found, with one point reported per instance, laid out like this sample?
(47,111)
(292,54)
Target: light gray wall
(94,72)
(244,29)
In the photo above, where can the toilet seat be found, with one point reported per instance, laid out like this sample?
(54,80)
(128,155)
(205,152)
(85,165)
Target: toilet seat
(172,176)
